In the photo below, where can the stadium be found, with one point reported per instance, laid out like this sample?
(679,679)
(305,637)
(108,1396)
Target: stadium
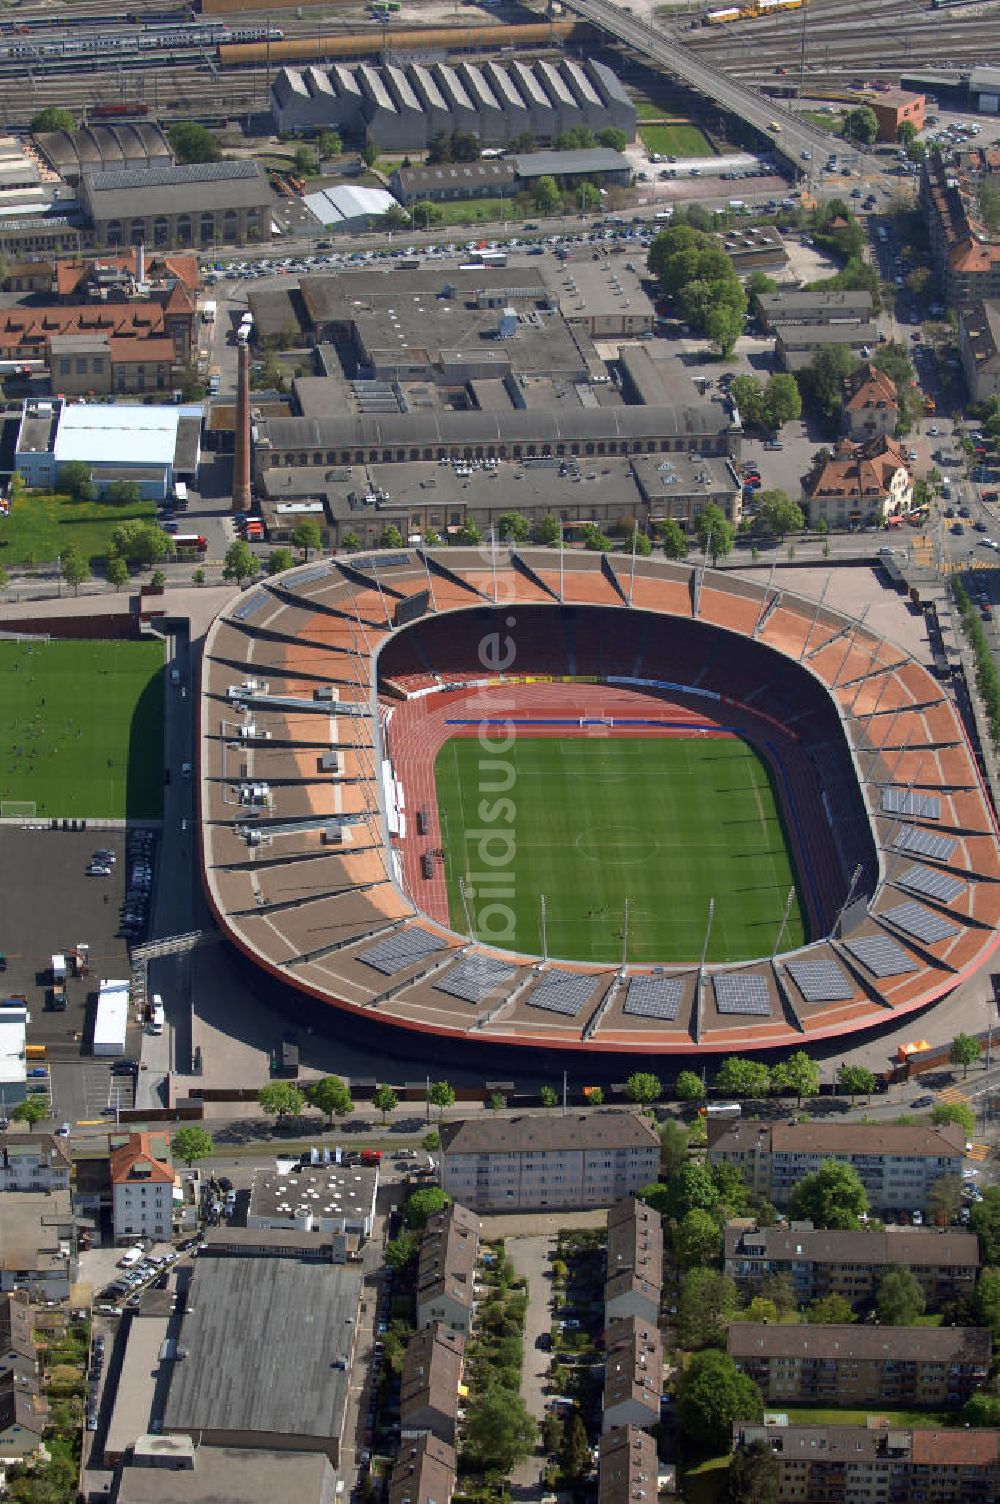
(540,800)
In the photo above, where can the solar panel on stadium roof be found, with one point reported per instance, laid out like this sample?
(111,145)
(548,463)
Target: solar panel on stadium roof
(739,994)
(654,997)
(821,981)
(882,956)
(906,802)
(476,978)
(308,576)
(932,883)
(248,607)
(924,843)
(921,923)
(563,992)
(400,951)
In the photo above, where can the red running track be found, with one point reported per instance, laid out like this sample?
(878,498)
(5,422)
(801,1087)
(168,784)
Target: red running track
(419,728)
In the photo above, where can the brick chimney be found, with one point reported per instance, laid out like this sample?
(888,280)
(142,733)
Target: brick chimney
(241,457)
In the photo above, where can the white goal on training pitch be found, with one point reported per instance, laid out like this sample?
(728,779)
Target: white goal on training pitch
(17,809)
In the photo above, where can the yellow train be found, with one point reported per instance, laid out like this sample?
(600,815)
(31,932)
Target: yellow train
(755,11)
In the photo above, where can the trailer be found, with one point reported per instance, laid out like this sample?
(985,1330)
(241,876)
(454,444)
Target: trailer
(58,968)
(111,1019)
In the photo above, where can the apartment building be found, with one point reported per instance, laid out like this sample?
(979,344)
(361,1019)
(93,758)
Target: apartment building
(628,1467)
(819,1262)
(633,1374)
(895,1367)
(424,1473)
(869,483)
(979,348)
(446,1272)
(896,1162)
(965,252)
(142,1186)
(429,1389)
(828,1464)
(34,1162)
(871,405)
(548,1161)
(635,1262)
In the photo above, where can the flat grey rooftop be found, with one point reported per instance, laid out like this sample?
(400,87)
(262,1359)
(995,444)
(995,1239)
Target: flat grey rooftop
(262,1336)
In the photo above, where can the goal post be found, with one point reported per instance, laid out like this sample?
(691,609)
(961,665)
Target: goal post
(17,809)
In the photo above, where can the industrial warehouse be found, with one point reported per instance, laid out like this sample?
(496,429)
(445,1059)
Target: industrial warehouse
(403,108)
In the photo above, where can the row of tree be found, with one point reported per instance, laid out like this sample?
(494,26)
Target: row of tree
(700,280)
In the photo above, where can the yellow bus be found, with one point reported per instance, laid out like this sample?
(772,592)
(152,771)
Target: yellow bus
(34,1051)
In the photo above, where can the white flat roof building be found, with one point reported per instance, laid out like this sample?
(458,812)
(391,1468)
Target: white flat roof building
(150,445)
(96,434)
(14,1019)
(346,205)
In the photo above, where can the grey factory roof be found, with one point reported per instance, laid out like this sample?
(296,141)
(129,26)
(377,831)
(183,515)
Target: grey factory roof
(327,1191)
(261,1337)
(575,1130)
(176,190)
(101,148)
(518,427)
(227,1475)
(455,175)
(599,159)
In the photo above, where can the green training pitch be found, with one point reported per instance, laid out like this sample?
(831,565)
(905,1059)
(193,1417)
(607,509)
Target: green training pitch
(668,823)
(81,727)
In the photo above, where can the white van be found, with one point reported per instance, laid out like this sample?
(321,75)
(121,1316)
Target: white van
(157,1017)
(181,493)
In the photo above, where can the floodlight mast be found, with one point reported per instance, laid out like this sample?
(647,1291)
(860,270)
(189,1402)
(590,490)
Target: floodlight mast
(784,921)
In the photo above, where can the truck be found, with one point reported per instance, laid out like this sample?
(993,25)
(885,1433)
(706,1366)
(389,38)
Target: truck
(157,1016)
(58,968)
(191,543)
(111,1017)
(214,380)
(208,311)
(180,494)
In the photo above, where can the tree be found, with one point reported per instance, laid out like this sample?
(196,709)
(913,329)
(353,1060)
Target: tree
(595,1096)
(427,213)
(198,577)
(52,119)
(431,1141)
(759,283)
(240,562)
(831,1197)
(638,542)
(496,1101)
(308,537)
(395,218)
(906,133)
(740,1077)
(116,571)
(594,540)
(715,534)
(675,544)
(332,1096)
(351,542)
(706,1304)
(822,381)
(613,138)
(441,1095)
(158,579)
(697,1239)
(124,493)
(31,1111)
(191,1143)
(778,513)
(548,531)
(369,154)
(577,138)
(861,124)
(73,568)
(944,1200)
(391,537)
(304,161)
(857,1081)
(329,144)
(423,1204)
(545,195)
(469,534)
(964,1052)
(574,1454)
(281,1099)
(4,580)
(692,1186)
(779,1290)
(782,400)
(513,526)
(713,1393)
(402,1250)
(989,204)
(984,1220)
(279,560)
(899,1299)
(986,1301)
(830,1310)
(723,326)
(673,1148)
(548,1096)
(588,196)
(754,1475)
(689,1087)
(731,1192)
(981,1410)
(191,142)
(386,1100)
(77,480)
(499,1432)
(141,543)
(798,1075)
(747,393)
(643,1087)
(954,1112)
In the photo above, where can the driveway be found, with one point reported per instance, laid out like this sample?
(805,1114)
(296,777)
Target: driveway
(530,1257)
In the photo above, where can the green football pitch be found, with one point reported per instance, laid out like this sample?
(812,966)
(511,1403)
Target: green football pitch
(667,823)
(81,727)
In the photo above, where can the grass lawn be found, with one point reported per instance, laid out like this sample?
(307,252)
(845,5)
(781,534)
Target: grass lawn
(667,823)
(832,123)
(40,527)
(469,211)
(676,140)
(81,727)
(706,1482)
(934,1419)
